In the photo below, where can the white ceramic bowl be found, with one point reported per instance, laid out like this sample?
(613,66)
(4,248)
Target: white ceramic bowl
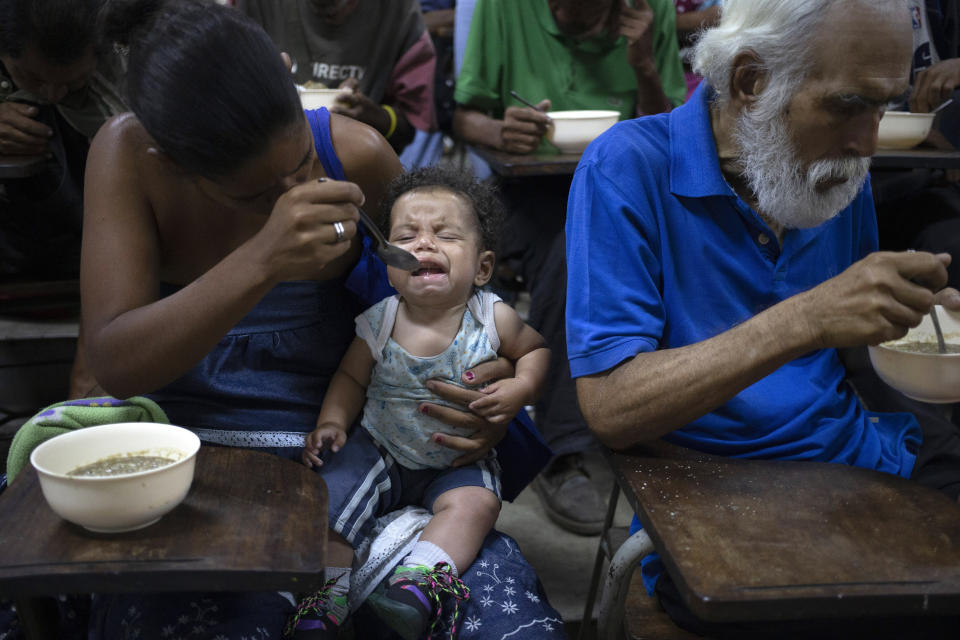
(112,504)
(316,98)
(572,131)
(903,130)
(928,377)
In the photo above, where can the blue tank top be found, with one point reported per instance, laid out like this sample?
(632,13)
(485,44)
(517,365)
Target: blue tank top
(263,383)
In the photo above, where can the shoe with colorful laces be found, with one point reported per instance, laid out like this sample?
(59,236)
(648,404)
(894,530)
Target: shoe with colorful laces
(413,600)
(315,618)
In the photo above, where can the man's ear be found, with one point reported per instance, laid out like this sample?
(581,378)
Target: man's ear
(748,78)
(485,268)
(287,62)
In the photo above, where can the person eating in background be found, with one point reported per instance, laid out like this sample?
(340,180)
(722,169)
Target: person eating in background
(380,50)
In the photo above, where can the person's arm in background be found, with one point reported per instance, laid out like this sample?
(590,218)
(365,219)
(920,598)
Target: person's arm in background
(20,133)
(934,85)
(693,21)
(637,26)
(408,100)
(519,131)
(474,120)
(653,53)
(440,22)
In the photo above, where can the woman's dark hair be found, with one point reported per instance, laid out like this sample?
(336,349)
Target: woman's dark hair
(60,30)
(207,83)
(482,197)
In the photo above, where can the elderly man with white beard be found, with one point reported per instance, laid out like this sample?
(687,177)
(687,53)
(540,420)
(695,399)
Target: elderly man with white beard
(721,254)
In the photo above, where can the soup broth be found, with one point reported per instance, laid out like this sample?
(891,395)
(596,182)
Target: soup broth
(915,346)
(121,465)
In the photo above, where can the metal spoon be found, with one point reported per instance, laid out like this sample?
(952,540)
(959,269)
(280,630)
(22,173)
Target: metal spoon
(391,254)
(941,345)
(945,103)
(526,102)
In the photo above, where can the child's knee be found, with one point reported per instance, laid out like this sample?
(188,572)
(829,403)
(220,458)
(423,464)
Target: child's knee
(475,503)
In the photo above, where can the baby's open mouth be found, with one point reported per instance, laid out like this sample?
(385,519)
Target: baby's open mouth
(428,268)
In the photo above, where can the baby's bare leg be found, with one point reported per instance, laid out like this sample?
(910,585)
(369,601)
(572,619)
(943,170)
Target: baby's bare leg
(462,518)
(339,551)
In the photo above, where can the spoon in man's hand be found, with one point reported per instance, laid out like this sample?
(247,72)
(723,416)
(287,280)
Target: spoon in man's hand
(941,345)
(526,102)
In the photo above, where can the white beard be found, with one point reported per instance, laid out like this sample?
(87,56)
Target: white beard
(784,192)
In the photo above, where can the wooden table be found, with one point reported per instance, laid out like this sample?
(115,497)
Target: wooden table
(13,167)
(509,165)
(776,540)
(251,522)
(916,159)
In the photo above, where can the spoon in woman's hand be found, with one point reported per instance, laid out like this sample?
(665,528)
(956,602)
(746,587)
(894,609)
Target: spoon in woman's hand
(391,254)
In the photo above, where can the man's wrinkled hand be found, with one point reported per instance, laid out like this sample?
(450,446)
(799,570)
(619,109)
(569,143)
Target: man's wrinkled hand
(876,299)
(523,128)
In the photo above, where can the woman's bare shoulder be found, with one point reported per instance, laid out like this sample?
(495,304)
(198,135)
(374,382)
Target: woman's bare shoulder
(122,131)
(119,147)
(361,149)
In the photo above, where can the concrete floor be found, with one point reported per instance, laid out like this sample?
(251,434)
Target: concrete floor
(563,560)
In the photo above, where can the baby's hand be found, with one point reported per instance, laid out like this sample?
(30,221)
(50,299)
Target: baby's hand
(503,400)
(325,436)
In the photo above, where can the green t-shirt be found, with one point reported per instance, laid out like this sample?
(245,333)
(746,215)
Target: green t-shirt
(515,44)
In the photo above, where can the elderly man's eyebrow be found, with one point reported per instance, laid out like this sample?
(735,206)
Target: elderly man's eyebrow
(857,100)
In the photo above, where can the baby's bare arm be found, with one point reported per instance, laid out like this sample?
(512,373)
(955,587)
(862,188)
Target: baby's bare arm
(523,344)
(519,342)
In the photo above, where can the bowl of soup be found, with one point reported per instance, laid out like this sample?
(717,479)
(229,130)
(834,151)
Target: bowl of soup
(903,129)
(914,366)
(314,96)
(572,131)
(116,477)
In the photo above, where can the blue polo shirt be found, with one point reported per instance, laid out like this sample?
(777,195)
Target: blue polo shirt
(662,253)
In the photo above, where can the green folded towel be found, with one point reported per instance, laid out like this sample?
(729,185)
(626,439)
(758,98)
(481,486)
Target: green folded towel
(76,414)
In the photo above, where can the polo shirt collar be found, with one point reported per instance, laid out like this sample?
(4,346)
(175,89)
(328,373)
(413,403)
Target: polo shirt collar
(694,163)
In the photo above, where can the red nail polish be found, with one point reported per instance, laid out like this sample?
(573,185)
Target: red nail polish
(438,439)
(468,375)
(424,409)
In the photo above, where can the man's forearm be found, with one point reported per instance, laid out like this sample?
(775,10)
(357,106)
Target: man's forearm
(651,98)
(657,392)
(476,127)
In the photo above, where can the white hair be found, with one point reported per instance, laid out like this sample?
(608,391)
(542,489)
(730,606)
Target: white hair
(785,191)
(780,32)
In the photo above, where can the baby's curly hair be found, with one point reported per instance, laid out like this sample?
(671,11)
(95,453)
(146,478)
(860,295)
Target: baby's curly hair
(483,199)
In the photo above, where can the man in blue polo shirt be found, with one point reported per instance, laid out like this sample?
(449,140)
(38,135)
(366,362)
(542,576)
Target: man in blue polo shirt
(719,255)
